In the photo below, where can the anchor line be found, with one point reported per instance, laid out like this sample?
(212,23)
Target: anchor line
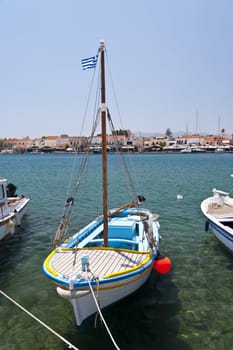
(100,313)
(71,346)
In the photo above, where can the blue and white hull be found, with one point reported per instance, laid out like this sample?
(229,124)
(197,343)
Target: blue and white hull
(222,234)
(84,304)
(218,211)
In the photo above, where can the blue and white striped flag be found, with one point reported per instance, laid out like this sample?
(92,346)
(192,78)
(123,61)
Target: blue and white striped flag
(90,62)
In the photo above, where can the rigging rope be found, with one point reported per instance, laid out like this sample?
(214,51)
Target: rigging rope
(122,159)
(65,219)
(82,127)
(100,313)
(120,119)
(113,89)
(62,229)
(71,346)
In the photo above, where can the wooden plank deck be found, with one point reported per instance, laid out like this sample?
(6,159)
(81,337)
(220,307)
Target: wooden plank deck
(220,209)
(101,262)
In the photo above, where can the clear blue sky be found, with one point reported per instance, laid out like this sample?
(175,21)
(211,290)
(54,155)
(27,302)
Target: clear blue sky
(171,63)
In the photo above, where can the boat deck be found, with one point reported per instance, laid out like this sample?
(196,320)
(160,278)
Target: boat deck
(220,210)
(67,262)
(17,201)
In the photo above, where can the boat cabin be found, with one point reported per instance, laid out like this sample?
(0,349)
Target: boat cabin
(123,229)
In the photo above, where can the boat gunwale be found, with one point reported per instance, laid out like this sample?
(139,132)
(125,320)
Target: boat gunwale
(63,283)
(223,230)
(211,211)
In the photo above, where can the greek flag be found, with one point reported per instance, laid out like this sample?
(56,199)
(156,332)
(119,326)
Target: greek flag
(90,62)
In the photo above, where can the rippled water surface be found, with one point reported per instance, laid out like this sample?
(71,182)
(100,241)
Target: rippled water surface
(190,308)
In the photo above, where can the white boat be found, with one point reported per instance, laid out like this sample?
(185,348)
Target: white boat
(112,256)
(12,208)
(218,211)
(197,150)
(219,150)
(186,150)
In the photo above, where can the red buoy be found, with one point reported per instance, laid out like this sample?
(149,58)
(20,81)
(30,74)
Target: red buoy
(162,265)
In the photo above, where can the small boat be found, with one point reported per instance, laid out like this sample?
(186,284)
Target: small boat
(197,150)
(218,211)
(12,208)
(219,150)
(96,150)
(186,150)
(113,255)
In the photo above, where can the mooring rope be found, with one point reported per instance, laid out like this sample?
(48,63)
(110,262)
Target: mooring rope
(101,315)
(71,346)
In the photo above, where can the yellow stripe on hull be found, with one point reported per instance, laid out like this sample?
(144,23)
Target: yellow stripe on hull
(116,285)
(115,274)
(47,261)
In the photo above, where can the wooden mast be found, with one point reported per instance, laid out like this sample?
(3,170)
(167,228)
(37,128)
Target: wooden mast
(104,144)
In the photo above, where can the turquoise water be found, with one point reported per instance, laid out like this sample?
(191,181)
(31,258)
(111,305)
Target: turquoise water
(190,308)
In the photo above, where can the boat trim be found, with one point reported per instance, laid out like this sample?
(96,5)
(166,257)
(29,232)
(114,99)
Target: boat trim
(114,274)
(100,288)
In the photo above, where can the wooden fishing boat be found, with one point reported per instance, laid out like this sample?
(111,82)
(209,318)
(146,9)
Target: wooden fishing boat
(113,255)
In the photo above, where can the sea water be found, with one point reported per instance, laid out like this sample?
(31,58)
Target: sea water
(189,308)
